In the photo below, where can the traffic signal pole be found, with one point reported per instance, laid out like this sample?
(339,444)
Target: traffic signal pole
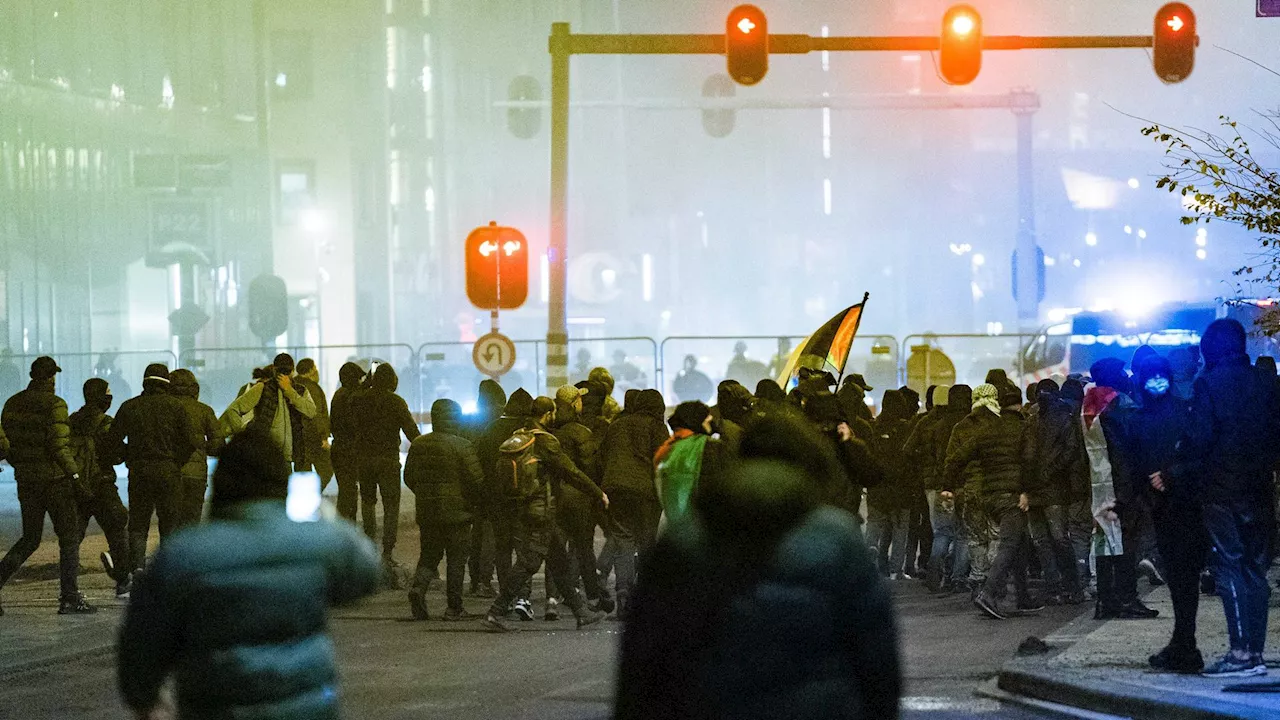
(564,45)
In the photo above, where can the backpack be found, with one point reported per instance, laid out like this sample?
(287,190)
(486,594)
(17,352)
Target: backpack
(519,470)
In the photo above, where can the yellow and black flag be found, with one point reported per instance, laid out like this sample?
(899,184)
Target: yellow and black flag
(828,348)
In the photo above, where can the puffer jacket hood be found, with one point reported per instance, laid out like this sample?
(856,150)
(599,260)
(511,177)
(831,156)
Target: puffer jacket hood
(1223,339)
(650,403)
(734,402)
(183,383)
(385,378)
(351,375)
(446,417)
(491,399)
(960,398)
(519,405)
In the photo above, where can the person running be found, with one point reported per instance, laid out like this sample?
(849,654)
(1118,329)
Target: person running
(90,427)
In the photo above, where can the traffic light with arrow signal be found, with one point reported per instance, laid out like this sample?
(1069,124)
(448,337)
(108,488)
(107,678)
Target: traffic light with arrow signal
(1174,51)
(497,261)
(747,44)
(960,58)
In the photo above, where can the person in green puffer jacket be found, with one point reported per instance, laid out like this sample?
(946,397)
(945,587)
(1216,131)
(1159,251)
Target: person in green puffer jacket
(237,609)
(683,460)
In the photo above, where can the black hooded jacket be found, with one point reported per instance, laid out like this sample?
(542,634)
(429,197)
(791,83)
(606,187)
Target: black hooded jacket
(892,429)
(343,420)
(514,417)
(383,416)
(1158,426)
(629,446)
(1053,453)
(443,471)
(157,427)
(207,431)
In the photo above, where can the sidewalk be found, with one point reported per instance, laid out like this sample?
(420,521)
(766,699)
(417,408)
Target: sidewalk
(1102,667)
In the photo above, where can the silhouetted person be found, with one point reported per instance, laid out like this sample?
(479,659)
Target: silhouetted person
(344,423)
(237,609)
(274,405)
(90,428)
(316,429)
(691,383)
(208,440)
(383,417)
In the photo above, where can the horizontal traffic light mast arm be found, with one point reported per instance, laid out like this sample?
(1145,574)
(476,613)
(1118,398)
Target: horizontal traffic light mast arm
(1017,100)
(803,44)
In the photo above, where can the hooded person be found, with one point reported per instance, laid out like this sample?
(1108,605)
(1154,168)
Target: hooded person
(917,451)
(861,469)
(853,398)
(576,512)
(733,614)
(594,396)
(889,505)
(89,428)
(1231,449)
(443,472)
(207,440)
(732,413)
(770,391)
(277,407)
(1140,356)
(383,418)
(952,405)
(154,435)
(604,377)
(628,450)
(1185,365)
(688,456)
(344,452)
(497,507)
(318,429)
(1107,420)
(491,401)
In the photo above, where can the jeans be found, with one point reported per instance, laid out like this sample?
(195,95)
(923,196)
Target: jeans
(541,541)
(887,537)
(1012,528)
(57,498)
(447,541)
(976,535)
(381,475)
(946,542)
(152,489)
(1240,533)
(1080,529)
(1052,541)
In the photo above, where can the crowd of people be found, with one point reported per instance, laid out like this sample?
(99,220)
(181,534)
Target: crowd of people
(1073,488)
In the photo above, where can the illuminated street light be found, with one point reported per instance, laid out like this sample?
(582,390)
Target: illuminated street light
(1091,239)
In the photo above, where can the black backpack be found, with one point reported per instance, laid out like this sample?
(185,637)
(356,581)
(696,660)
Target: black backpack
(519,469)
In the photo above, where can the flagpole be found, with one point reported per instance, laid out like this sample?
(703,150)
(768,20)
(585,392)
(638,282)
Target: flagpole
(863,311)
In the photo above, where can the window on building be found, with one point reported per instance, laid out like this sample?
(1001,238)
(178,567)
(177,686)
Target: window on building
(292,67)
(295,188)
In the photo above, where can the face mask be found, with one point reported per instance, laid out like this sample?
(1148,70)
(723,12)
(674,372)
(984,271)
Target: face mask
(105,403)
(1158,386)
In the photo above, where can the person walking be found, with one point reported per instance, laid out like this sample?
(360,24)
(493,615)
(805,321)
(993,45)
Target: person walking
(236,610)
(316,430)
(90,427)
(889,505)
(383,416)
(272,403)
(154,436)
(627,452)
(444,474)
(36,442)
(537,465)
(577,513)
(344,452)
(688,456)
(1052,454)
(1235,418)
(503,509)
(208,441)
(949,555)
(490,403)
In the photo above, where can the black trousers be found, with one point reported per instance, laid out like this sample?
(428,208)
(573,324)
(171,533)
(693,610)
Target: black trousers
(153,490)
(483,544)
(1184,546)
(1012,523)
(578,523)
(105,507)
(57,499)
(319,460)
(381,476)
(450,542)
(191,491)
(635,526)
(347,473)
(540,541)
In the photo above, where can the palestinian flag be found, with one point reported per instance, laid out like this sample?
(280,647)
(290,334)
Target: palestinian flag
(828,348)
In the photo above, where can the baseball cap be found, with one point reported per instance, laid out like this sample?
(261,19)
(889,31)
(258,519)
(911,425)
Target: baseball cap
(568,394)
(44,368)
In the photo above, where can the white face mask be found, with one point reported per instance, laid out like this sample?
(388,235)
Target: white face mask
(1158,385)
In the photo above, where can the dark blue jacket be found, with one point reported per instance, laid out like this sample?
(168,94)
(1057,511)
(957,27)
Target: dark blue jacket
(1231,444)
(237,610)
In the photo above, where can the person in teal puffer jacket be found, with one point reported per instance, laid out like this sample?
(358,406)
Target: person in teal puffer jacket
(237,609)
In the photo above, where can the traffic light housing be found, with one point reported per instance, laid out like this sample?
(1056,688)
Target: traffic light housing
(1174,51)
(524,123)
(268,307)
(747,44)
(960,58)
(497,260)
(718,123)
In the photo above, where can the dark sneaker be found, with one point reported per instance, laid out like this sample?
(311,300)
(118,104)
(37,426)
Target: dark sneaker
(124,588)
(494,624)
(552,613)
(75,605)
(590,618)
(1178,660)
(1137,611)
(1028,606)
(452,615)
(1232,667)
(524,609)
(988,606)
(604,605)
(418,604)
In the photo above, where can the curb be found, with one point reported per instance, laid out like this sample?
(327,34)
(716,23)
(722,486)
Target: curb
(84,654)
(1097,694)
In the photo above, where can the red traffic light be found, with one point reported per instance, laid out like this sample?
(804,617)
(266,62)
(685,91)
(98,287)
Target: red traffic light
(747,44)
(960,58)
(497,268)
(1174,50)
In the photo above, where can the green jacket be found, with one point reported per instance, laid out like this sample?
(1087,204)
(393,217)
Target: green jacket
(237,611)
(678,476)
(35,421)
(985,458)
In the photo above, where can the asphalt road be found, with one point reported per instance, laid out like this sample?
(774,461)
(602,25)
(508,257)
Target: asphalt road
(393,668)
